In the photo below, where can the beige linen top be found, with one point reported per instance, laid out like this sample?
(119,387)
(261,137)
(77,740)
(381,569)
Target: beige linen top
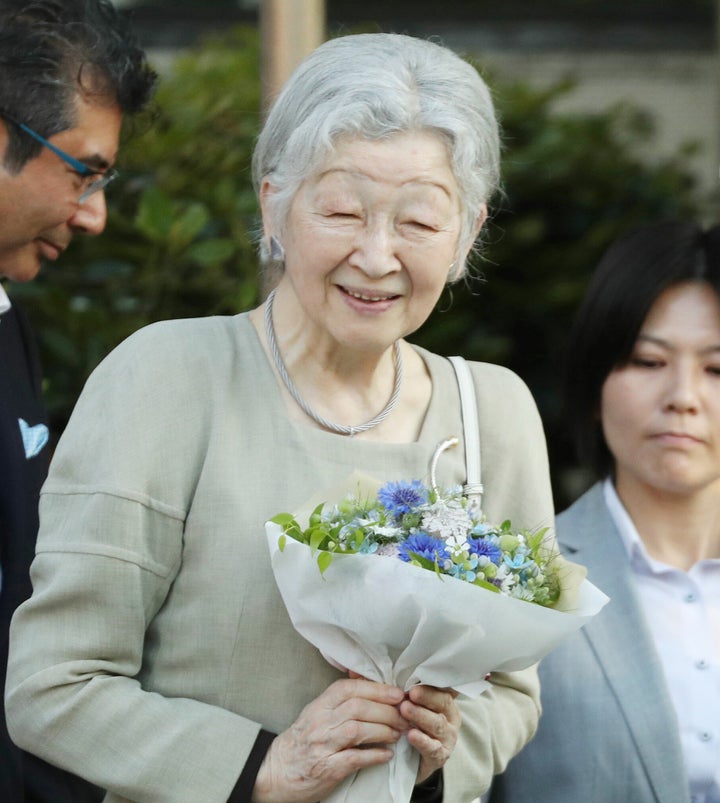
(156,644)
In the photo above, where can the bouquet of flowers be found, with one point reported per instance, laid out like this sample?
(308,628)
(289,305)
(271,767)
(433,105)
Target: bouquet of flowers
(435,530)
(404,583)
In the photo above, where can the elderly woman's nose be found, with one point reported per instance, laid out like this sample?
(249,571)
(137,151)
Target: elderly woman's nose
(375,251)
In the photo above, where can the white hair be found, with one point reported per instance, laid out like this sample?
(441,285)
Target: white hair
(373,86)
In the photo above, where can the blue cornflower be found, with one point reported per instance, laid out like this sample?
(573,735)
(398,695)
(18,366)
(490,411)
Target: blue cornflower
(481,546)
(424,545)
(403,497)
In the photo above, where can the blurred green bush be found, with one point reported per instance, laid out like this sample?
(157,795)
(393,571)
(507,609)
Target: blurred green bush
(182,220)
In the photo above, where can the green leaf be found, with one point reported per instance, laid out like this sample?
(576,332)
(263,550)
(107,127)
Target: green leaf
(283,519)
(210,252)
(425,563)
(317,536)
(534,540)
(187,227)
(282,541)
(324,559)
(478,581)
(316,515)
(155,214)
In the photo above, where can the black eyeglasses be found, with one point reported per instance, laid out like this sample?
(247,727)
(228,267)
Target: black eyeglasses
(100,183)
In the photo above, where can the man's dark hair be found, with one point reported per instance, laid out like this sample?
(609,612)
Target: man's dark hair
(630,276)
(51,51)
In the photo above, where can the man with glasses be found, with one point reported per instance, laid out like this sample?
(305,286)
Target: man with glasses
(69,71)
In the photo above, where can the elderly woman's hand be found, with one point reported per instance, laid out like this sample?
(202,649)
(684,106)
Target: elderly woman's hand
(347,728)
(434,718)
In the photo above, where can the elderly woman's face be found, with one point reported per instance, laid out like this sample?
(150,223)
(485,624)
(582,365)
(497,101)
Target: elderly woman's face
(371,237)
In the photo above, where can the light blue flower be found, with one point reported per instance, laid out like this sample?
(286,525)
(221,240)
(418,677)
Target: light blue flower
(462,567)
(519,561)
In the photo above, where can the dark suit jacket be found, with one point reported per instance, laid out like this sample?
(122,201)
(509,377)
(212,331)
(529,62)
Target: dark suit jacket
(608,731)
(23,778)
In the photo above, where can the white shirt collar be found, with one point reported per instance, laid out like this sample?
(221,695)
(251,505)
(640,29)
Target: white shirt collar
(4,301)
(629,535)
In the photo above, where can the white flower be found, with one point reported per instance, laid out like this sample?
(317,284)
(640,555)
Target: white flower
(449,522)
(387,532)
(506,578)
(520,592)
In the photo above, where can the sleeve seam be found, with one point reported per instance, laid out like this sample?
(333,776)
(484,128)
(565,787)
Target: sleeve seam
(114,553)
(143,499)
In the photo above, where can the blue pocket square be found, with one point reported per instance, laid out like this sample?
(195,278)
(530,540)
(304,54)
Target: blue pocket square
(33,438)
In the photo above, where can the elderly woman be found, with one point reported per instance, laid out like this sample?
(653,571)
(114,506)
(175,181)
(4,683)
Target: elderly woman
(631,705)
(156,657)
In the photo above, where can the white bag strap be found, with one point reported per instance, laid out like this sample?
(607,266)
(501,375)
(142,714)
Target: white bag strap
(473,487)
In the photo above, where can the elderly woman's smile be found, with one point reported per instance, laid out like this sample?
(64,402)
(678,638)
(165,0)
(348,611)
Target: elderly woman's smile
(371,237)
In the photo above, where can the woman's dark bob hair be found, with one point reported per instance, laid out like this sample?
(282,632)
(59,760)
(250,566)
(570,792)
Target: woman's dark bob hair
(632,273)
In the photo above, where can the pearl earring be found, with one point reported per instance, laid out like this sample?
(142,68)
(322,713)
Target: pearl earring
(277,252)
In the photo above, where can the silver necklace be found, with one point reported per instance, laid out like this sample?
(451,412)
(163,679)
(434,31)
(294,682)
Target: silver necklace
(340,429)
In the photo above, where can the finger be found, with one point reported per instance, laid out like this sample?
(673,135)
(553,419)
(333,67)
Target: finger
(441,725)
(286,774)
(435,725)
(434,736)
(433,753)
(354,733)
(370,712)
(440,700)
(342,690)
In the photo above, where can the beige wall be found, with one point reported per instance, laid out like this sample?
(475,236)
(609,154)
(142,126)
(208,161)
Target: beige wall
(681,90)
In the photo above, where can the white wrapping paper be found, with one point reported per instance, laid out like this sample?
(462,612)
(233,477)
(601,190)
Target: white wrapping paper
(396,623)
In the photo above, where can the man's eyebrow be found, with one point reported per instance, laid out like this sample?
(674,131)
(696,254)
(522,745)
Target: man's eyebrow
(96,162)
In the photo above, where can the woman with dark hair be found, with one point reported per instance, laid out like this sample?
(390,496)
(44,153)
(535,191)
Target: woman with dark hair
(631,704)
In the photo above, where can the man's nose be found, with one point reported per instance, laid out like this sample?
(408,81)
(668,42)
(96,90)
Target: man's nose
(91,215)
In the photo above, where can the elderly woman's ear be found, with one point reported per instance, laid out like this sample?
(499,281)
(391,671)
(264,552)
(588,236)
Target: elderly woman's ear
(480,220)
(479,223)
(267,190)
(457,269)
(273,247)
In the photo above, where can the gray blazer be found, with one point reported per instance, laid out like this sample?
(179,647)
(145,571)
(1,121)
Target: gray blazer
(608,731)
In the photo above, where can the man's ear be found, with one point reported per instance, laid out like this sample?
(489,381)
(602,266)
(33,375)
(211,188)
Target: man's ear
(4,142)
